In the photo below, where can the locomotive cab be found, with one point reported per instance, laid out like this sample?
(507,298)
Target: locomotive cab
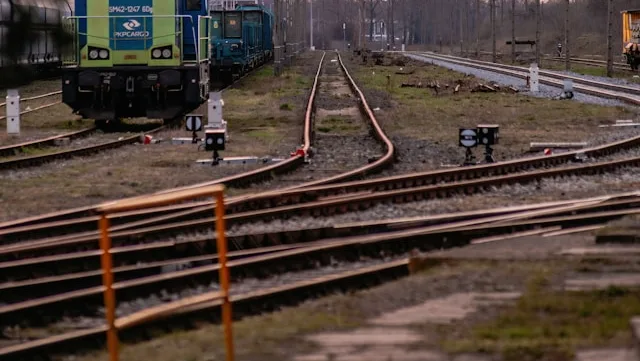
(137,58)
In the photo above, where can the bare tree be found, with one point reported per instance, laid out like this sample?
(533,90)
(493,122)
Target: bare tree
(513,31)
(567,54)
(538,16)
(610,38)
(477,28)
(277,38)
(493,31)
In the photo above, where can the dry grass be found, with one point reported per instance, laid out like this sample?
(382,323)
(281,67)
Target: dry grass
(543,325)
(257,125)
(421,114)
(550,325)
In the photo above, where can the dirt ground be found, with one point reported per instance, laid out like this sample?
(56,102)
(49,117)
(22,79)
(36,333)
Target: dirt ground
(501,299)
(265,118)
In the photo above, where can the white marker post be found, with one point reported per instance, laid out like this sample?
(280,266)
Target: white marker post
(568,85)
(214,113)
(534,85)
(13,111)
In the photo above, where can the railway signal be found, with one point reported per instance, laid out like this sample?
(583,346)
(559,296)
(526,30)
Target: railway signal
(214,140)
(488,135)
(468,138)
(194,124)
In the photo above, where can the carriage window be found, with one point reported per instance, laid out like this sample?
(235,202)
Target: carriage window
(194,5)
(232,25)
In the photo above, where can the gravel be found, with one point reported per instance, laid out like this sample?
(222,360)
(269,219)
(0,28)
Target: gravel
(545,90)
(612,80)
(545,190)
(339,149)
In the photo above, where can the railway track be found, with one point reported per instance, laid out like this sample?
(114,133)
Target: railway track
(36,256)
(382,254)
(243,178)
(594,62)
(628,94)
(22,240)
(284,252)
(135,261)
(35,160)
(36,97)
(14,149)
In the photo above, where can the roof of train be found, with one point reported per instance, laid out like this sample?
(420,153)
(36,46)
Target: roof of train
(630,11)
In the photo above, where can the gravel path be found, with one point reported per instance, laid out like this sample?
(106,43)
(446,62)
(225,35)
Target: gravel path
(545,90)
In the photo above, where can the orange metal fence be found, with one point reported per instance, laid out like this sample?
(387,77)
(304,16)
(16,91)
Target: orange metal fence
(215,191)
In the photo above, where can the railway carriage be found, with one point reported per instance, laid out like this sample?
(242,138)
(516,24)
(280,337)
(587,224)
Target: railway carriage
(137,58)
(631,37)
(41,55)
(240,40)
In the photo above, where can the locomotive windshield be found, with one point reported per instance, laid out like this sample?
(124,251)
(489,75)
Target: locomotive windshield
(232,25)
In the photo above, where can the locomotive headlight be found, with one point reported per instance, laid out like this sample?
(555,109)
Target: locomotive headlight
(166,53)
(104,54)
(156,53)
(93,54)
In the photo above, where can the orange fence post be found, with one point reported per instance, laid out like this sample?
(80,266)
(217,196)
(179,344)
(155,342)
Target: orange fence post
(160,199)
(109,293)
(227,318)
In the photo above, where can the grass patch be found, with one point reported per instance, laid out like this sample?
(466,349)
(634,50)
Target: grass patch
(421,113)
(549,325)
(338,124)
(286,106)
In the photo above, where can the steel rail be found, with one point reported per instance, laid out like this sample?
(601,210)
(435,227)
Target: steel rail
(252,302)
(613,91)
(46,95)
(446,235)
(268,171)
(44,158)
(12,233)
(315,208)
(13,149)
(133,254)
(137,262)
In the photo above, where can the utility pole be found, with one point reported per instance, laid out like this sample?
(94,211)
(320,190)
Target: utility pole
(493,31)
(538,15)
(567,55)
(610,38)
(513,31)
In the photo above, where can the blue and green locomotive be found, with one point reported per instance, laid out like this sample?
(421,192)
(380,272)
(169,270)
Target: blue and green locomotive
(137,58)
(241,40)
